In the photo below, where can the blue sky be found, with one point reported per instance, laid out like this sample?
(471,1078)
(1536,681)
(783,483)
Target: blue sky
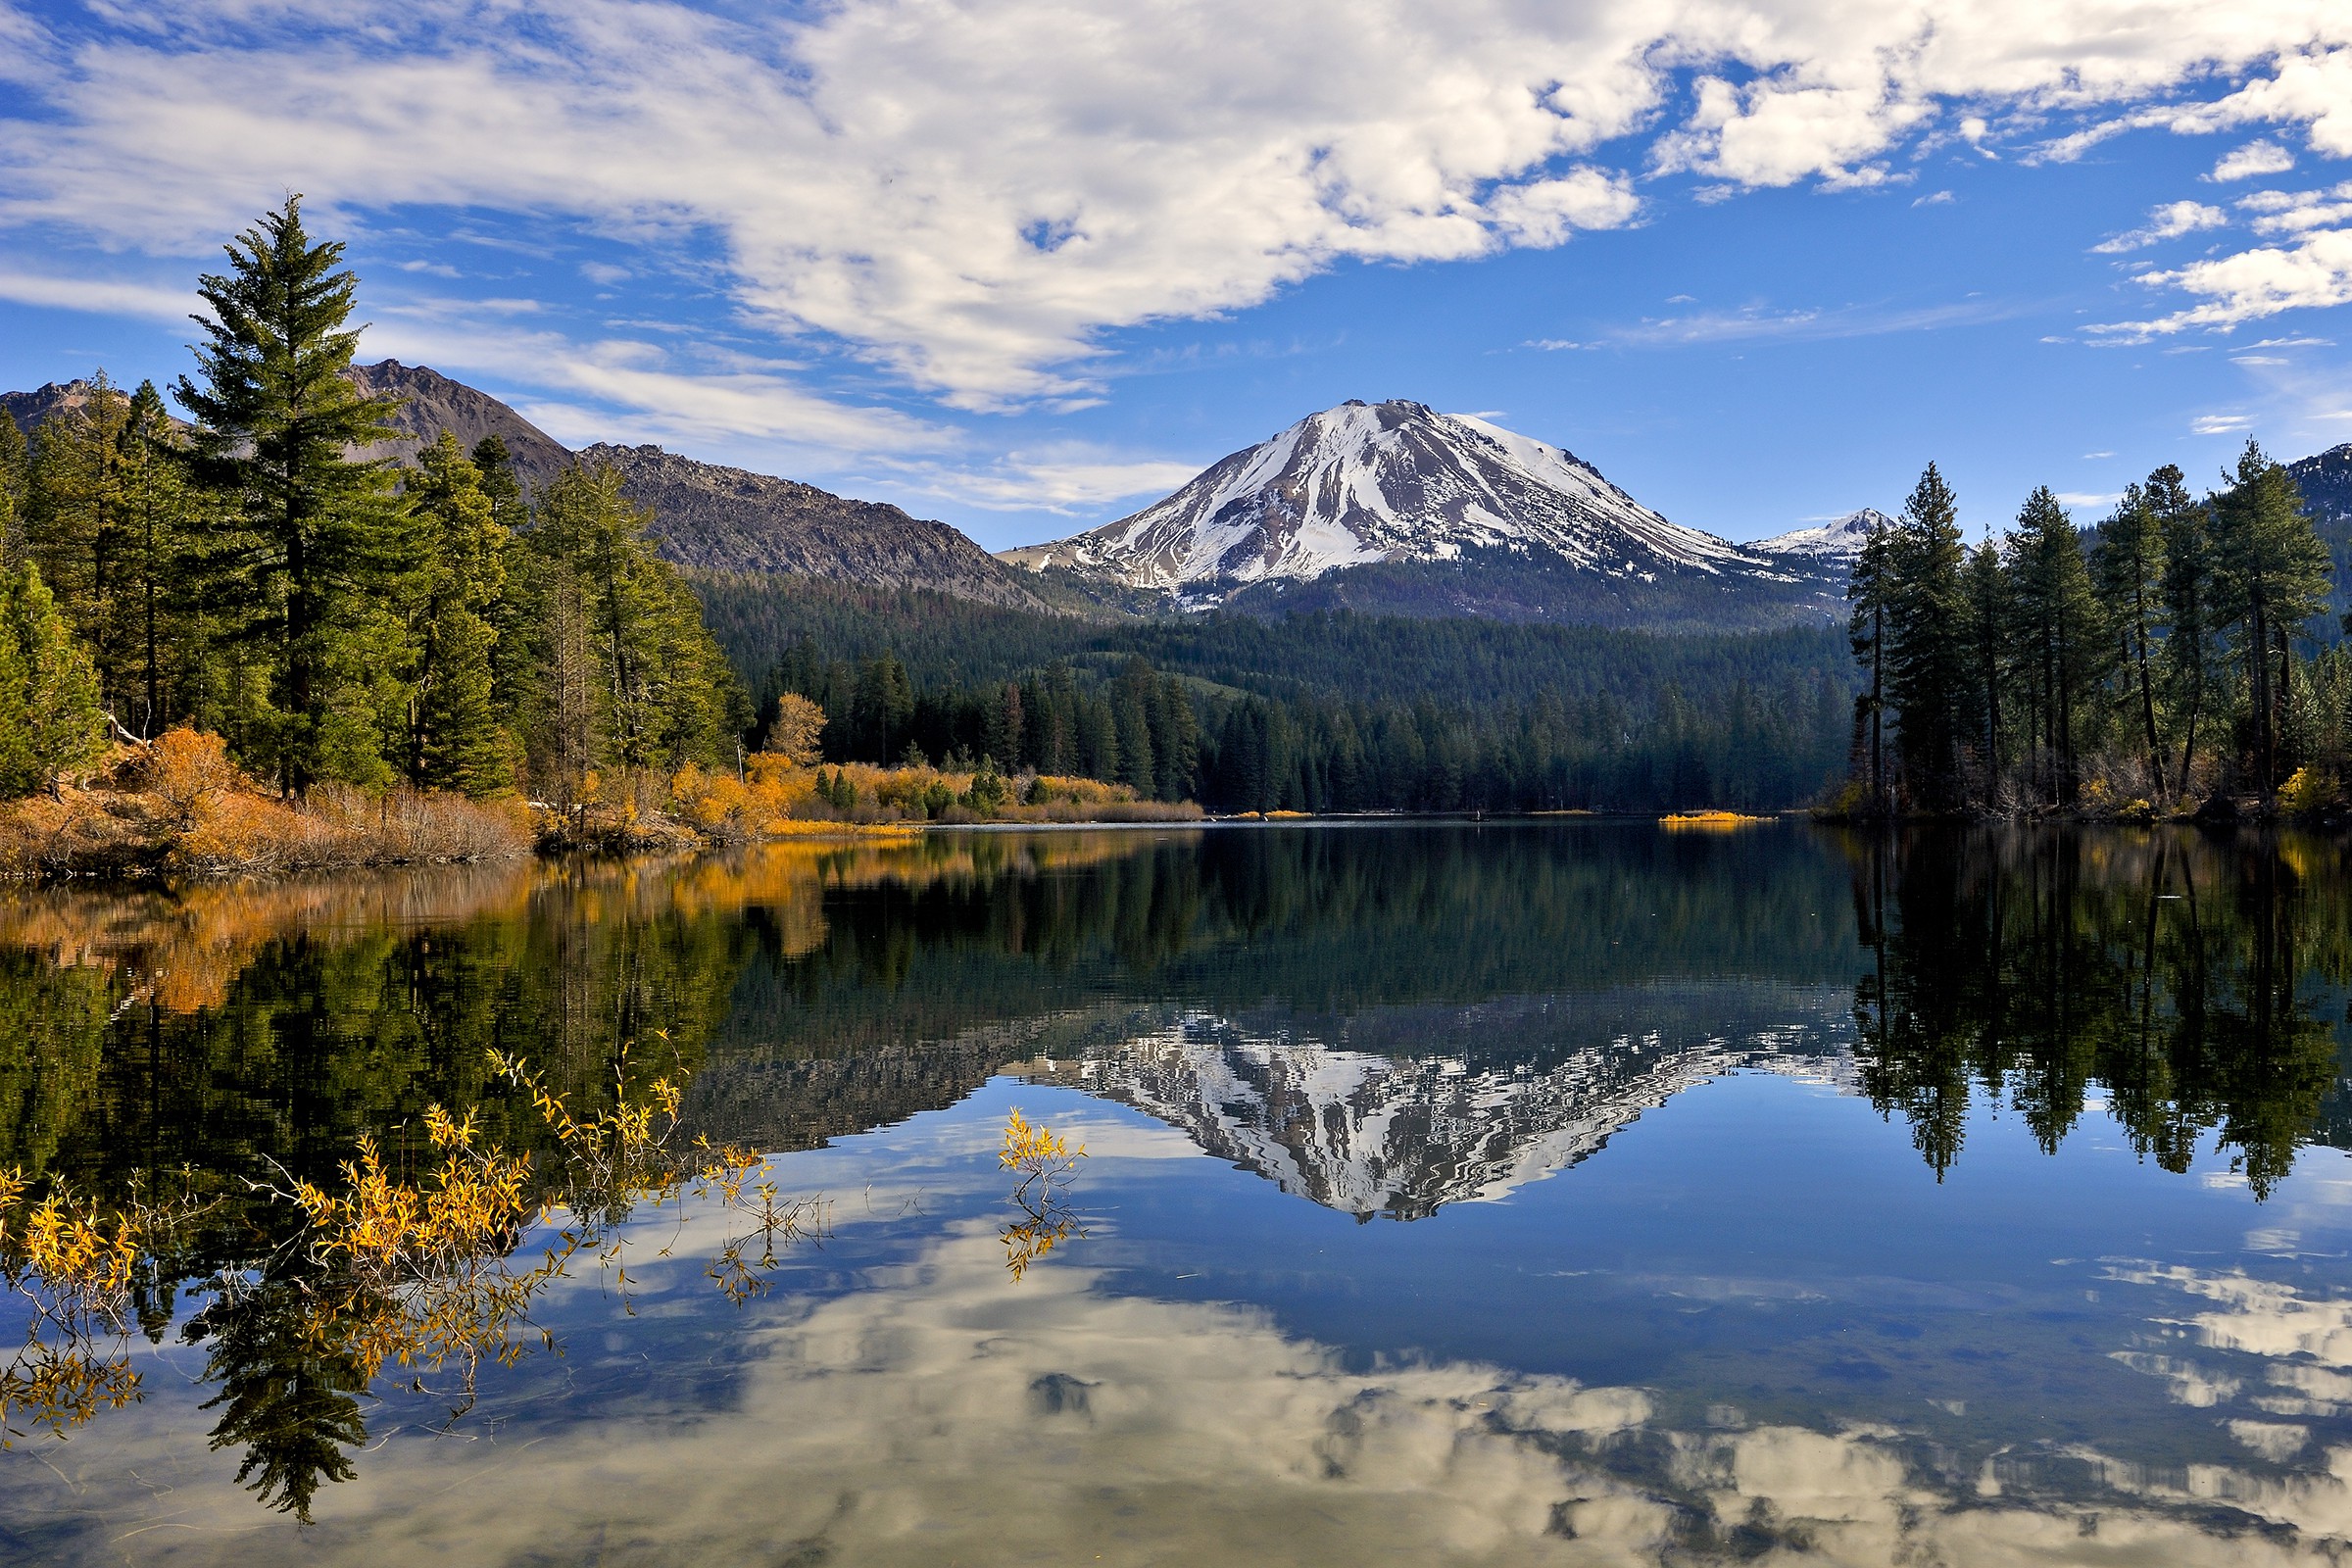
(1026,264)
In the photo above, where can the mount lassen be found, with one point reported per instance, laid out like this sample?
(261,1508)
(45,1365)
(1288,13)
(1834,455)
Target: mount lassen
(1396,507)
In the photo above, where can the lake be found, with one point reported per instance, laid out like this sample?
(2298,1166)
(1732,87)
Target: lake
(1537,1191)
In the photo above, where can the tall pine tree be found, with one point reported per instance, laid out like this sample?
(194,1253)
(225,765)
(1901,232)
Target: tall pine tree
(1869,589)
(457,741)
(2128,569)
(300,556)
(2270,580)
(1928,665)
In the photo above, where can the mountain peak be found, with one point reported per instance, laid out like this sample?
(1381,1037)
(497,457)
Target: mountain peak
(1362,483)
(1834,542)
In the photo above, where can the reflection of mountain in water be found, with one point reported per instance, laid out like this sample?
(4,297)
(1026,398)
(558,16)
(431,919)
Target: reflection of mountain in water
(1369,1133)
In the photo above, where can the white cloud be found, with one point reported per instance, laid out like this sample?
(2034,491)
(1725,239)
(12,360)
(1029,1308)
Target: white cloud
(2315,274)
(2168,222)
(2292,211)
(2091,498)
(2254,158)
(1940,198)
(2220,423)
(97,295)
(626,389)
(1800,322)
(970,195)
(1061,480)
(942,1413)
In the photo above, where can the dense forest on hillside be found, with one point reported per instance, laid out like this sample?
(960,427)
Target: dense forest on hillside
(1311,712)
(2176,657)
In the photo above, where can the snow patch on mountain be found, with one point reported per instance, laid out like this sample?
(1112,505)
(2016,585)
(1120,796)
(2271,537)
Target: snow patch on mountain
(1835,542)
(1385,483)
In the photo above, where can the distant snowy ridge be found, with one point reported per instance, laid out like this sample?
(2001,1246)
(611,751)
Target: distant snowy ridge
(1835,542)
(1395,481)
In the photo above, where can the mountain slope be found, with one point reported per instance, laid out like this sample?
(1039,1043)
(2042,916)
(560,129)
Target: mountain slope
(1394,506)
(730,519)
(2325,480)
(433,403)
(31,408)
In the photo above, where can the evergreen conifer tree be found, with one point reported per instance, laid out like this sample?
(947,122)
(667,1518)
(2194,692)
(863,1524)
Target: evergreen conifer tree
(2190,632)
(299,560)
(1869,589)
(1926,658)
(456,742)
(2271,575)
(2128,569)
(624,674)
(163,642)
(15,485)
(78,523)
(1988,631)
(2059,620)
(50,717)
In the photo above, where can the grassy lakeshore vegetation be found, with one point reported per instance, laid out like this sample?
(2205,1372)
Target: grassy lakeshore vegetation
(2174,661)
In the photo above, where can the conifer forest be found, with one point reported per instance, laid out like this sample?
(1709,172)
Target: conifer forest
(2172,657)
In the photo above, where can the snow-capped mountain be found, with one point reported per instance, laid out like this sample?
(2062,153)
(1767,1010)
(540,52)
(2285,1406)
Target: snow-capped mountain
(1395,508)
(1383,482)
(1835,542)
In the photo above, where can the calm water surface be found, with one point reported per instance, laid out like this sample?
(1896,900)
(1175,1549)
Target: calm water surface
(1520,1194)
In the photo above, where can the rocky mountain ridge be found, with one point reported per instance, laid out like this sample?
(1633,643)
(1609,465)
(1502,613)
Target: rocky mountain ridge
(707,516)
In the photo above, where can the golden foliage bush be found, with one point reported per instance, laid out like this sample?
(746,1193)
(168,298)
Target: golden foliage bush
(2308,790)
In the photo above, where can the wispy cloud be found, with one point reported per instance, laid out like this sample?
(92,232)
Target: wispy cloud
(1797,324)
(970,197)
(2315,274)
(2168,222)
(2220,424)
(97,295)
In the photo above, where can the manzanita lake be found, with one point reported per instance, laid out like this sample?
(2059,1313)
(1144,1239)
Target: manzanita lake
(1439,1193)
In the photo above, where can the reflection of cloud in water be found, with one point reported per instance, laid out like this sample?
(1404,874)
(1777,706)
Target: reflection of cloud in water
(941,1415)
(2259,1317)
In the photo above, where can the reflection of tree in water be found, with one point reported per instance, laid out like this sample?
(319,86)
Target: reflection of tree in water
(2179,974)
(289,1397)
